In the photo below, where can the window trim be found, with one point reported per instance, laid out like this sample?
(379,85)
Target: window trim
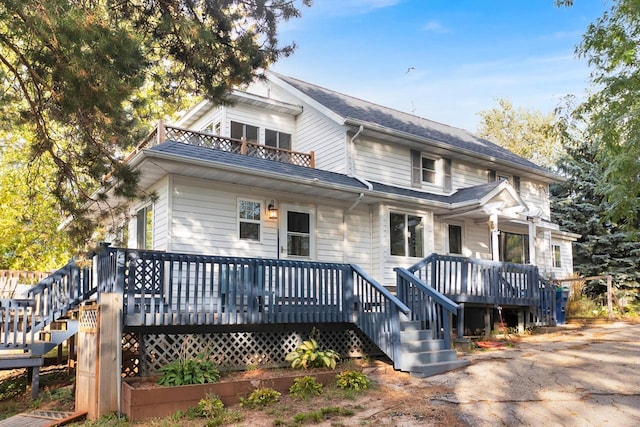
(240,220)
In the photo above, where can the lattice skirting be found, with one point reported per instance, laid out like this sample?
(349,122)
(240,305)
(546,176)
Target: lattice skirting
(144,354)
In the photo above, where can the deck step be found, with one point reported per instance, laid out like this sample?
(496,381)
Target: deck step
(438,368)
(416,335)
(416,346)
(409,361)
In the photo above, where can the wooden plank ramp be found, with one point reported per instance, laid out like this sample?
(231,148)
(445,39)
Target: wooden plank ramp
(41,418)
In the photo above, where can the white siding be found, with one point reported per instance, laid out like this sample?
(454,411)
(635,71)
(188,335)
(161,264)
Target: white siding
(466,175)
(478,240)
(383,162)
(330,234)
(205,221)
(318,133)
(359,237)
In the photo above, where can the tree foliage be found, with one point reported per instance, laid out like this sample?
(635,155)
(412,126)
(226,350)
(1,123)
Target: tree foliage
(611,44)
(29,216)
(578,206)
(529,134)
(75,77)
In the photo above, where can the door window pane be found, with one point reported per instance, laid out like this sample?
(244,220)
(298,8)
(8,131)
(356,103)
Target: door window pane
(298,237)
(455,239)
(416,233)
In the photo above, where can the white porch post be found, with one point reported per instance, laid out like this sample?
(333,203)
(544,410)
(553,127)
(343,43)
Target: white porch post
(495,241)
(532,242)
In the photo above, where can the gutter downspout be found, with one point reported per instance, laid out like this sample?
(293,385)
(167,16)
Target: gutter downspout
(352,167)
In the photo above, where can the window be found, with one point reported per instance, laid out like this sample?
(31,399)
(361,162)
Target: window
(455,239)
(514,247)
(273,138)
(557,256)
(213,128)
(406,235)
(240,130)
(144,221)
(428,170)
(249,220)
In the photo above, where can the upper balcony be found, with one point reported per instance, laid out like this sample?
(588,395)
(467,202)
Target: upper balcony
(164,133)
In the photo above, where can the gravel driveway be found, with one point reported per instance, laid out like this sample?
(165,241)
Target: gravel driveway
(571,376)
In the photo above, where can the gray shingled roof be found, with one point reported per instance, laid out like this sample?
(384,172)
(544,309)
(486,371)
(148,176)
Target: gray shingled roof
(295,171)
(349,107)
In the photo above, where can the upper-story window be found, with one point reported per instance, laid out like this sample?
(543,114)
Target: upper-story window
(406,235)
(249,219)
(430,170)
(243,130)
(514,180)
(274,138)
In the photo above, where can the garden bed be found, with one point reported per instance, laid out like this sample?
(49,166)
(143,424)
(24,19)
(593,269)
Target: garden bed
(142,398)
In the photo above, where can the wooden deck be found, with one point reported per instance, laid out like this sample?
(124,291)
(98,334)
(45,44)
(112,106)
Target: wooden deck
(182,292)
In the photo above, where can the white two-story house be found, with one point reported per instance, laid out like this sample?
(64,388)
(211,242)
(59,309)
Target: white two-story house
(376,187)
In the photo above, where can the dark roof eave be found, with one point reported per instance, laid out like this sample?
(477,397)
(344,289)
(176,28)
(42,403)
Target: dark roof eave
(547,175)
(145,154)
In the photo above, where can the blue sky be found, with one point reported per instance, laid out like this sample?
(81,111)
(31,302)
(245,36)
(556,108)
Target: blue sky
(443,60)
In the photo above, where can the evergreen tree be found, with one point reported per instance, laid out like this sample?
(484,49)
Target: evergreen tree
(73,77)
(579,207)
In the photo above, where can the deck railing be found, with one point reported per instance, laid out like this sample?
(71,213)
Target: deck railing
(378,313)
(477,281)
(50,299)
(433,310)
(164,133)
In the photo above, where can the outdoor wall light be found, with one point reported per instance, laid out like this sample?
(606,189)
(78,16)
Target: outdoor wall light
(272,211)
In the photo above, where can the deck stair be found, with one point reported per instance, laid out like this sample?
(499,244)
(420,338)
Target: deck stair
(422,355)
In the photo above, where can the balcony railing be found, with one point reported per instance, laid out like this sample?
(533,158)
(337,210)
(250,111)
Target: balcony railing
(164,133)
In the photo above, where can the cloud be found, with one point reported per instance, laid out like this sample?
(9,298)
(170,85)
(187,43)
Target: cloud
(435,27)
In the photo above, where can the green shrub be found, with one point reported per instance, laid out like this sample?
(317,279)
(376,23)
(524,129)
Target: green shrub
(210,407)
(352,380)
(185,371)
(308,355)
(305,387)
(261,397)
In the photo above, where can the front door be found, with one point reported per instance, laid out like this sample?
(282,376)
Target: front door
(297,232)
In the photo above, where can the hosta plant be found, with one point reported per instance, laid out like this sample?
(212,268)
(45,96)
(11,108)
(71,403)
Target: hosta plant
(186,371)
(261,397)
(309,355)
